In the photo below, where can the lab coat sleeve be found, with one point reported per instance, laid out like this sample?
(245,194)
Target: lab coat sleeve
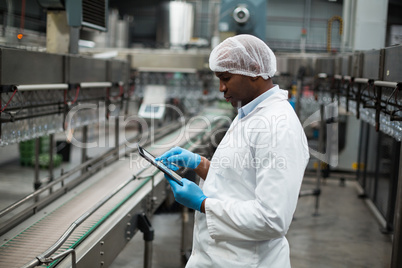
(269,215)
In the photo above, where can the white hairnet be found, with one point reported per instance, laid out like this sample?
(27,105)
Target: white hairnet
(243,54)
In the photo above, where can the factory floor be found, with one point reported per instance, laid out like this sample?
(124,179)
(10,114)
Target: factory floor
(344,234)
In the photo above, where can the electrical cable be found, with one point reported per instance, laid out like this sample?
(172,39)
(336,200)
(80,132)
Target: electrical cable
(22,22)
(121,92)
(77,91)
(2,110)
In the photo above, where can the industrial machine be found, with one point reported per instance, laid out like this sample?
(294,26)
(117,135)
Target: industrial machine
(243,17)
(83,215)
(153,105)
(366,84)
(65,19)
(90,210)
(175,24)
(98,205)
(86,13)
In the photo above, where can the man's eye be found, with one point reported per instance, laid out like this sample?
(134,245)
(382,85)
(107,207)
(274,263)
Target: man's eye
(225,78)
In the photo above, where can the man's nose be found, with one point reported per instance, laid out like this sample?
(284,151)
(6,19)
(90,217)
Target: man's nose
(222,87)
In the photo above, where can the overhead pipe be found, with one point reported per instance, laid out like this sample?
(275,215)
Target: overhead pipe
(329,30)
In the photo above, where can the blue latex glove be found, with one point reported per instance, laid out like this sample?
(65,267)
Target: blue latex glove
(179,157)
(189,195)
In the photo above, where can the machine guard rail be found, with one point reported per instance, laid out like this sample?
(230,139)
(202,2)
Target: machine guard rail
(43,258)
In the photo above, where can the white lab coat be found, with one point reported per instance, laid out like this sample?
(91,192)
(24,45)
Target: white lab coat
(252,187)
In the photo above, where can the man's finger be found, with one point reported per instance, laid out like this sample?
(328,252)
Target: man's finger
(172,167)
(174,159)
(167,154)
(172,183)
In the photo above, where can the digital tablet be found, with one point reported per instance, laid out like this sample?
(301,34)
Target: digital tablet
(150,158)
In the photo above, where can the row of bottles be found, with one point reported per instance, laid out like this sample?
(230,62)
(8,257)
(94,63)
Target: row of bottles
(32,114)
(179,85)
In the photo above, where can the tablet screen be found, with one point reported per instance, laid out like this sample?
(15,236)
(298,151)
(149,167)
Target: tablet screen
(159,165)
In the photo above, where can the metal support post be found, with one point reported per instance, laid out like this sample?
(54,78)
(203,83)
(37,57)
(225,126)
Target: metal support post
(116,137)
(397,239)
(128,83)
(184,223)
(299,96)
(0,121)
(144,225)
(362,158)
(331,133)
(320,149)
(84,148)
(126,97)
(139,127)
(148,254)
(392,188)
(358,100)
(378,107)
(51,148)
(348,95)
(74,39)
(37,182)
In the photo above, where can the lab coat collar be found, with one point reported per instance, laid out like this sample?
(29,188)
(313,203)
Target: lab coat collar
(278,95)
(246,109)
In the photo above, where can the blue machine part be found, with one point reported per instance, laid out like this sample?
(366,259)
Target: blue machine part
(89,13)
(244,17)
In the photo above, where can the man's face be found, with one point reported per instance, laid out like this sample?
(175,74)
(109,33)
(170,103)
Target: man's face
(237,89)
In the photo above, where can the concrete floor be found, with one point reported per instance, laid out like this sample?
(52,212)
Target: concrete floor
(344,234)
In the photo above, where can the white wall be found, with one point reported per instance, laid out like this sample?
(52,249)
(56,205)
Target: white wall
(286,18)
(370,24)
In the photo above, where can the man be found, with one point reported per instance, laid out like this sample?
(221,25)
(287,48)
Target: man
(249,190)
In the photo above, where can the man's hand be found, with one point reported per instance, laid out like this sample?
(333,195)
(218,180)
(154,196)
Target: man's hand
(179,157)
(189,195)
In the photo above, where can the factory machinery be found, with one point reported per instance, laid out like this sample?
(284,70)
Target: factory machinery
(85,216)
(366,84)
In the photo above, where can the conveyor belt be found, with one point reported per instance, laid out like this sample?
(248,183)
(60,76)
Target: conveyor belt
(37,238)
(40,236)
